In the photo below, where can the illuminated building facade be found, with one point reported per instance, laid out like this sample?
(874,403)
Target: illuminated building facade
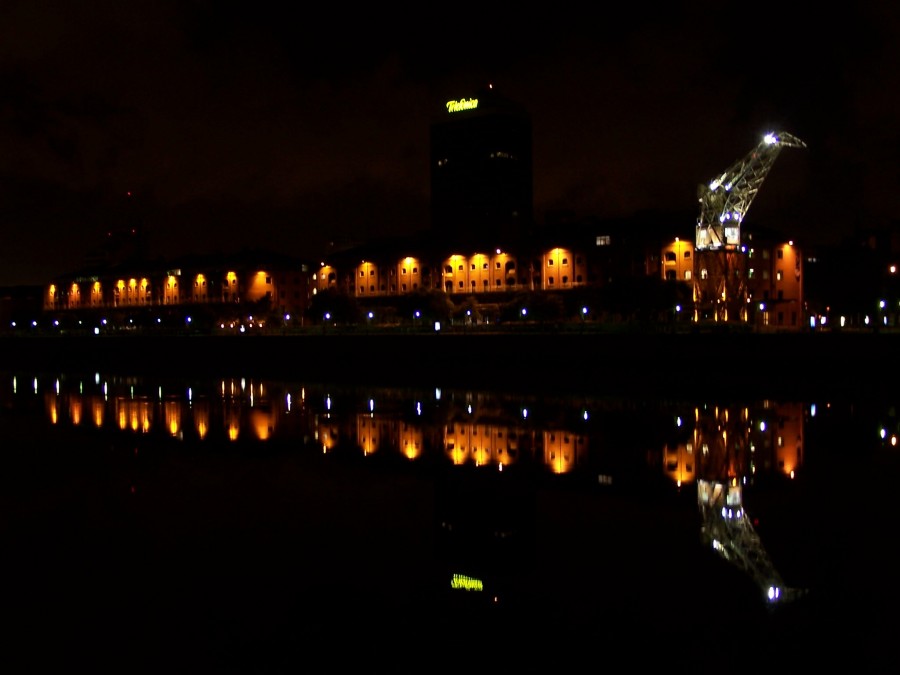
(775,285)
(677,261)
(232,289)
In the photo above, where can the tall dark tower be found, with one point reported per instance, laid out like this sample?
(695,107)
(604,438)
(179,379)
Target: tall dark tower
(482,187)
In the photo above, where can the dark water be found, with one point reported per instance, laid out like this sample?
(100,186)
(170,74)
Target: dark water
(243,525)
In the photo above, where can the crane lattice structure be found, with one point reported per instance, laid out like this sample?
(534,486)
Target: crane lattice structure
(729,531)
(720,279)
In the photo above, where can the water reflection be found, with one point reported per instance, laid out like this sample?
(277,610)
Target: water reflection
(485,524)
(590,438)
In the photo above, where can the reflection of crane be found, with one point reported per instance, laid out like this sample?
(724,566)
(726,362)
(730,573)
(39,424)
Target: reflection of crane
(719,265)
(729,531)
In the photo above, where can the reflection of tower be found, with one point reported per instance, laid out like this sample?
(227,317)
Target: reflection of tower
(485,525)
(729,531)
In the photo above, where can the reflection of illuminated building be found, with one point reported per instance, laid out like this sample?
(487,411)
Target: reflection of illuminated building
(327,432)
(777,437)
(201,417)
(75,409)
(172,416)
(563,450)
(262,421)
(732,442)
(410,440)
(678,462)
(480,443)
(233,422)
(98,409)
(50,400)
(720,439)
(789,438)
(134,414)
(468,428)
(371,433)
(374,433)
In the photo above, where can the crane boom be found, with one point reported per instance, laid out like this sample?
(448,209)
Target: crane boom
(724,202)
(719,274)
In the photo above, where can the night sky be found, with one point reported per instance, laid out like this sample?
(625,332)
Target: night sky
(261,125)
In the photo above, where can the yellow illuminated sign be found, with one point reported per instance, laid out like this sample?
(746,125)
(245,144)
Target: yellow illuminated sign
(462,104)
(463,582)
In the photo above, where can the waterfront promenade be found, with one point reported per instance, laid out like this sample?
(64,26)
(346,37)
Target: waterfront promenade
(658,364)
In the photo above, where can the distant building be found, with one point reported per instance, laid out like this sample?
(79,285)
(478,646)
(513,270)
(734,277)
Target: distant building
(19,305)
(481,170)
(230,288)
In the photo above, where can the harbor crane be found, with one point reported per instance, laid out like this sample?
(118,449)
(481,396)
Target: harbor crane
(720,279)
